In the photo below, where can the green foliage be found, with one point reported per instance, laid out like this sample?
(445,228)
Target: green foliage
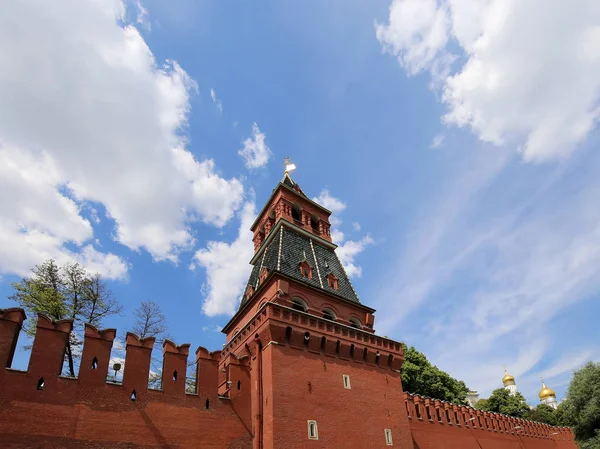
(581,407)
(482,404)
(65,292)
(543,413)
(420,377)
(501,401)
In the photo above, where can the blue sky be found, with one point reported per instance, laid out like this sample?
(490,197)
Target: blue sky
(456,146)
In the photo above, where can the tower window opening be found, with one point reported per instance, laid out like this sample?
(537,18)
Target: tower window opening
(95,363)
(390,360)
(428,413)
(40,384)
(418,410)
(133,396)
(437,414)
(298,304)
(365,352)
(346,382)
(448,417)
(456,418)
(297,213)
(323,343)
(352,351)
(313,433)
(239,384)
(306,338)
(355,323)
(388,437)
(328,314)
(288,334)
(207,404)
(175,375)
(314,223)
(338,345)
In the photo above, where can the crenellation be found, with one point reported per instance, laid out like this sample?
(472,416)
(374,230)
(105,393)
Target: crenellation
(11,321)
(174,368)
(49,345)
(138,353)
(95,357)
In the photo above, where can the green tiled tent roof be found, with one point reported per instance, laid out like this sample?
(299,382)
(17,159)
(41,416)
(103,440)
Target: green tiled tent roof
(288,248)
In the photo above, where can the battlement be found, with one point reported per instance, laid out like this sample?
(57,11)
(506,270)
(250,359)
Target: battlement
(427,411)
(48,352)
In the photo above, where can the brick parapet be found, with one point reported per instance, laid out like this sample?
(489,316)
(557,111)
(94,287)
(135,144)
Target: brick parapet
(301,330)
(424,411)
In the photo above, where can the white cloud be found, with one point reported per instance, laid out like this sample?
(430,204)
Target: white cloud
(530,71)
(438,141)
(36,219)
(356,226)
(255,152)
(216,101)
(86,114)
(347,251)
(227,267)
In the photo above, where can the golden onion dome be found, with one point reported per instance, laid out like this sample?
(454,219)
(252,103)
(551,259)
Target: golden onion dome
(508,379)
(546,392)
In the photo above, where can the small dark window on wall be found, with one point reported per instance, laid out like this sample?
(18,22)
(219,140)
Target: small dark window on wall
(388,437)
(313,433)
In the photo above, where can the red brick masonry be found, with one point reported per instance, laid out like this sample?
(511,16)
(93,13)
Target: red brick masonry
(271,381)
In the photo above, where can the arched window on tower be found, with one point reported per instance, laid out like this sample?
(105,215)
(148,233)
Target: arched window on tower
(329,314)
(355,323)
(299,304)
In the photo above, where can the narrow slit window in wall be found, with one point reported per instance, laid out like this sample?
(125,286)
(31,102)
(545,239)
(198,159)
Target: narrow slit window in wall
(207,404)
(239,384)
(133,395)
(95,363)
(313,433)
(175,375)
(40,384)
(347,382)
(388,437)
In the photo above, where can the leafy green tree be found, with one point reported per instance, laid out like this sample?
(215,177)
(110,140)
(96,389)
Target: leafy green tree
(419,376)
(501,401)
(65,292)
(481,404)
(542,413)
(581,407)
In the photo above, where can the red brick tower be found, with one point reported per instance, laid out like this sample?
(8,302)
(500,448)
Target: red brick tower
(302,365)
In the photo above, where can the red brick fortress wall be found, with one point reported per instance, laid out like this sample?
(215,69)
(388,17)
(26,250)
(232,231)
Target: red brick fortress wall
(89,412)
(437,424)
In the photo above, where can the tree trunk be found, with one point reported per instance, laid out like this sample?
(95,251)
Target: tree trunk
(70,359)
